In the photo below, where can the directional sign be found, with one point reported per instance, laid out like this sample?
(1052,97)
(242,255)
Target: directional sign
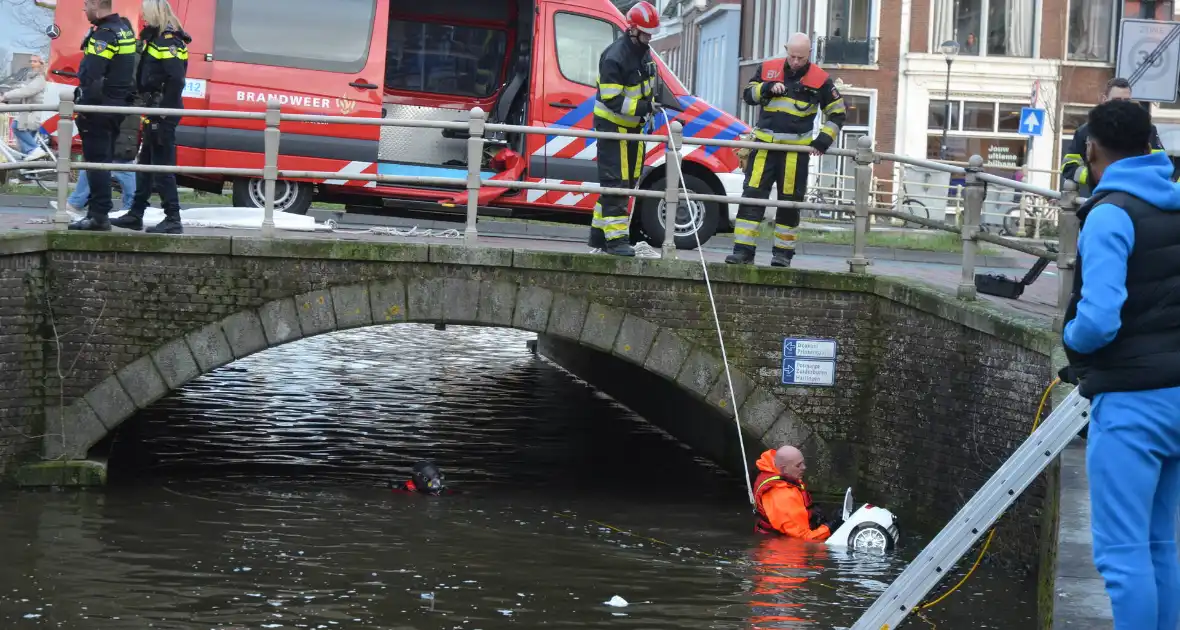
(1032,121)
(1149,58)
(809,362)
(809,372)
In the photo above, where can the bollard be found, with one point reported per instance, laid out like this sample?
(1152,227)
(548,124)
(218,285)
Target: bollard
(862,189)
(1067,250)
(973,194)
(475,141)
(672,189)
(270,166)
(1022,213)
(65,146)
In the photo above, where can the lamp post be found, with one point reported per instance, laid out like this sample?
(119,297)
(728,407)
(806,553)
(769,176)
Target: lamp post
(949,49)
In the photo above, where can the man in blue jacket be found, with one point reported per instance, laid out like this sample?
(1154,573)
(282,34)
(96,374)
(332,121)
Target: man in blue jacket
(1122,336)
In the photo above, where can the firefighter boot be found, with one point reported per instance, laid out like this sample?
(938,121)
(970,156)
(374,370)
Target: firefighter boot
(742,255)
(618,247)
(170,224)
(131,220)
(781,257)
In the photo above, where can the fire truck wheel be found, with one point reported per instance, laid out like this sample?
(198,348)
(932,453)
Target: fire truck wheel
(703,218)
(292,197)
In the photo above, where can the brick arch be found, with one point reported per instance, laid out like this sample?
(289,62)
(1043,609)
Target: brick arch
(90,418)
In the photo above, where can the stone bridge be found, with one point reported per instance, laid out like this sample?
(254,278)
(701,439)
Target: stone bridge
(931,395)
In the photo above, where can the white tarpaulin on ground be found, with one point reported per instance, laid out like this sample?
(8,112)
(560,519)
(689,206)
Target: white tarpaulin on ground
(232,218)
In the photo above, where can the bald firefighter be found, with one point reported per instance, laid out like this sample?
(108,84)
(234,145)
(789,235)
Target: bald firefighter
(791,91)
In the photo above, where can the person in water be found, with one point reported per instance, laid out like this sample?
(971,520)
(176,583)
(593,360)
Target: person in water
(425,478)
(782,501)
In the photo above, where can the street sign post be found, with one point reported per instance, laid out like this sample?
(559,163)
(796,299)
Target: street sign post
(809,362)
(1032,121)
(1149,58)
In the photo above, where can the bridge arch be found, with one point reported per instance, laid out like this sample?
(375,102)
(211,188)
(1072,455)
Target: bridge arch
(73,430)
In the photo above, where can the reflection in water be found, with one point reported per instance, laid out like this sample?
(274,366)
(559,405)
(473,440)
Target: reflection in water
(254,498)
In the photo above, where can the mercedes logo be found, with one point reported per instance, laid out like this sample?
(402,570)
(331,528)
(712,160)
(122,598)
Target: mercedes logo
(54,31)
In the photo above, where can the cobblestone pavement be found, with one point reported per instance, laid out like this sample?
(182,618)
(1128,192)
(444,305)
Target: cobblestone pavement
(1039,299)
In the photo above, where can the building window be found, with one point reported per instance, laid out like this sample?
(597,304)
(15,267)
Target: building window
(1092,30)
(859,109)
(835,175)
(330,36)
(580,42)
(773,23)
(987,129)
(1001,28)
(1073,116)
(849,29)
(1148,10)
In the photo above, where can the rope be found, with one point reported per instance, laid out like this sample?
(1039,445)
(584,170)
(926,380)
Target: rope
(675,151)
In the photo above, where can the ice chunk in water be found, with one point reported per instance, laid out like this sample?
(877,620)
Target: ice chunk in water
(616,601)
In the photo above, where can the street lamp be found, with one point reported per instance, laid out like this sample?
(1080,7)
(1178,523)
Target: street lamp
(949,49)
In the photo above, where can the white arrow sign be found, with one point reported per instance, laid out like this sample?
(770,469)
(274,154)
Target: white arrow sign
(1031,122)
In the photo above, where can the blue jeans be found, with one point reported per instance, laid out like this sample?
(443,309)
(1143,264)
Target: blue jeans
(1133,463)
(25,140)
(81,193)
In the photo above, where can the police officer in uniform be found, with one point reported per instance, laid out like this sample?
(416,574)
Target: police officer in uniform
(791,91)
(105,77)
(160,81)
(1073,165)
(626,88)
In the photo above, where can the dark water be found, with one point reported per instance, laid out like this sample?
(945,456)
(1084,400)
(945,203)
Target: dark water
(255,498)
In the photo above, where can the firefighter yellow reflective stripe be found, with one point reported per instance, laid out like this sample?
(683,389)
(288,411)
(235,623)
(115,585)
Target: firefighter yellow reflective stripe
(786,105)
(1082,175)
(622,120)
(1157,150)
(756,87)
(830,130)
(757,168)
(609,90)
(612,227)
(745,232)
(835,107)
(784,237)
(763,135)
(790,170)
(1071,158)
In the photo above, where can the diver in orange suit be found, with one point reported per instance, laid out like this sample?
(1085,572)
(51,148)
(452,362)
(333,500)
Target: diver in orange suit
(781,498)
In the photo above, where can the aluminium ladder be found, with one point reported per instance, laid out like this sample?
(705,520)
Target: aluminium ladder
(906,593)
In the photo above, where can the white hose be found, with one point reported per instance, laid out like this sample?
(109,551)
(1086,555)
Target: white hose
(709,288)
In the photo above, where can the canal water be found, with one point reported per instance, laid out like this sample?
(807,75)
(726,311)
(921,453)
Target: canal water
(256,497)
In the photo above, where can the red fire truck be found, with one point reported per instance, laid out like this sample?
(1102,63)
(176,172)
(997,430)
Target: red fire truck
(525,62)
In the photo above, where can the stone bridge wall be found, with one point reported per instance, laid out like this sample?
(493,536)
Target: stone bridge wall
(932,393)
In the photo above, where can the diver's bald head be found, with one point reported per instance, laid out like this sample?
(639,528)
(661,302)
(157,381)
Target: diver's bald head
(790,462)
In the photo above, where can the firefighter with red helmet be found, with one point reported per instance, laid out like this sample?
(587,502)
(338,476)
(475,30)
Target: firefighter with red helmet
(792,92)
(626,92)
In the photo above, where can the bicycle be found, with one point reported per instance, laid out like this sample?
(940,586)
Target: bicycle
(42,176)
(1038,210)
(911,206)
(816,195)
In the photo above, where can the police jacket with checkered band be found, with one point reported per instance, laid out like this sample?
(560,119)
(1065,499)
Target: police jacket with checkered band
(106,75)
(163,64)
(789,118)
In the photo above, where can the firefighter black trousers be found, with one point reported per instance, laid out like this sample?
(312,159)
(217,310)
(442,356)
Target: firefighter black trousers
(620,163)
(763,170)
(98,133)
(159,148)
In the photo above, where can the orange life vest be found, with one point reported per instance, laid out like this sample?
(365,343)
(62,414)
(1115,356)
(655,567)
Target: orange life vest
(767,482)
(777,70)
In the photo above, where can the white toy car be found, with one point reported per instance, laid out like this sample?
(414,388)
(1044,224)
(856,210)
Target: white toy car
(869,528)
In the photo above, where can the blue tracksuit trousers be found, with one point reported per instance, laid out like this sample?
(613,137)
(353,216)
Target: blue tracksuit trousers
(1133,465)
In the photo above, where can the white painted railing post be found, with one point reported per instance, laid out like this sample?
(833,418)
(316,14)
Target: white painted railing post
(862,190)
(270,166)
(475,142)
(973,193)
(65,146)
(672,189)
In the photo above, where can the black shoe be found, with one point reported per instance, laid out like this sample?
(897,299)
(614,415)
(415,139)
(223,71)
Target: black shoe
(780,259)
(90,224)
(618,247)
(128,222)
(168,226)
(740,256)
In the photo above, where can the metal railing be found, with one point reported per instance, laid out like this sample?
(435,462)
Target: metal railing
(968,228)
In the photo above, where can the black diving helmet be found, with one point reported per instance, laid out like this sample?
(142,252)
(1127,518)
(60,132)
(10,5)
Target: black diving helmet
(428,478)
